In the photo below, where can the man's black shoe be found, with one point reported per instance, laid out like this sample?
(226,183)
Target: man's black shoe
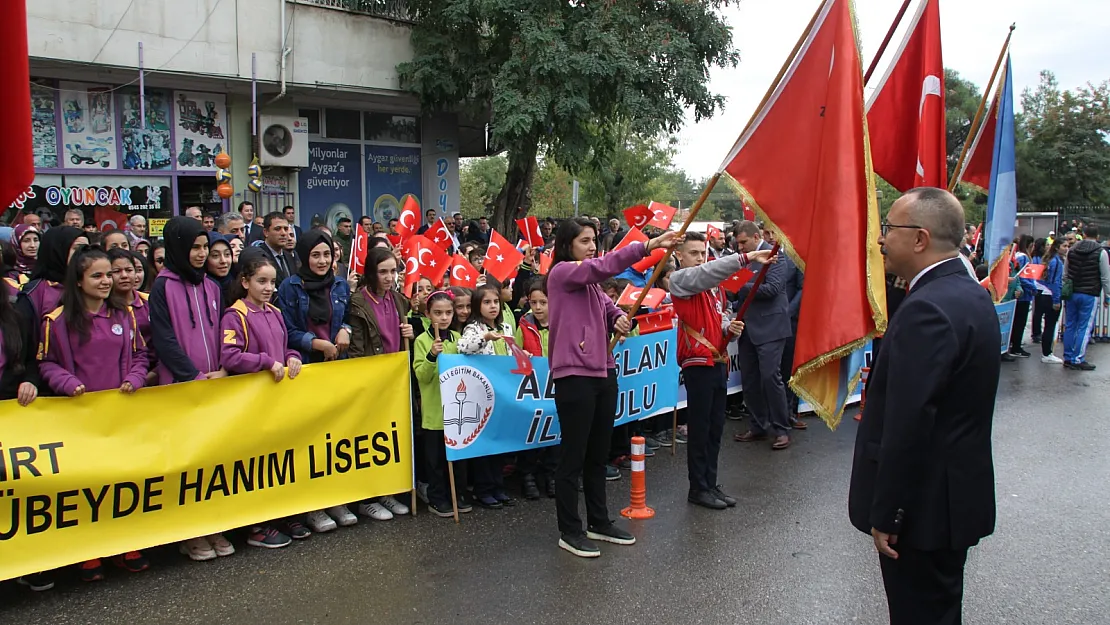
(729,500)
(579,545)
(1007,357)
(611,534)
(531,492)
(706,499)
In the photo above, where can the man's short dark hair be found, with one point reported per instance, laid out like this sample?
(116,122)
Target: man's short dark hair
(343,220)
(270,217)
(1090,231)
(244,203)
(749,228)
(366,217)
(695,236)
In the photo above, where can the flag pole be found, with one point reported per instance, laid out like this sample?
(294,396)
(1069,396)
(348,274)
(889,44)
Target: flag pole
(886,41)
(717,176)
(979,113)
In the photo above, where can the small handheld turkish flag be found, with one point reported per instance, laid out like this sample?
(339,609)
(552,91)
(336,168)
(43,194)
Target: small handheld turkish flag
(661,215)
(653,298)
(633,236)
(424,258)
(736,281)
(439,234)
(358,251)
(1032,272)
(545,262)
(530,231)
(409,221)
(463,273)
(105,216)
(502,259)
(637,216)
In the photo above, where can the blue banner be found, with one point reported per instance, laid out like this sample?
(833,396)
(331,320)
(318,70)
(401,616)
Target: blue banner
(1005,312)
(330,187)
(391,174)
(488,409)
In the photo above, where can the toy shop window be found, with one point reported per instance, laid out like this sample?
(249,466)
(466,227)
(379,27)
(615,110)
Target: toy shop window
(342,124)
(313,116)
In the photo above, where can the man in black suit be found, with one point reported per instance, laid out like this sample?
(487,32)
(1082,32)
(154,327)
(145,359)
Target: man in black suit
(291,218)
(923,476)
(766,330)
(274,243)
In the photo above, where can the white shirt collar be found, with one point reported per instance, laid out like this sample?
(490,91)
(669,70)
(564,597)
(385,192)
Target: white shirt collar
(926,270)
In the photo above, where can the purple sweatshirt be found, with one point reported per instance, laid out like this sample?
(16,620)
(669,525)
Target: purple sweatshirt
(142,314)
(253,338)
(582,316)
(184,327)
(45,297)
(114,353)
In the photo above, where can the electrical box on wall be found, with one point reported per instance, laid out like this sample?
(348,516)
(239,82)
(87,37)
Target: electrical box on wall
(284,140)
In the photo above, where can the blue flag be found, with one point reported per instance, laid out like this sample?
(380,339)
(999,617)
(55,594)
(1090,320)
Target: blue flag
(1002,201)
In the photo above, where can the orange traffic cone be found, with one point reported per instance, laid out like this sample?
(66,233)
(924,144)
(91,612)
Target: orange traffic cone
(863,373)
(637,508)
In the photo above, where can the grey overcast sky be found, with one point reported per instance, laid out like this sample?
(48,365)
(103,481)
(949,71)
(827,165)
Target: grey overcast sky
(1068,37)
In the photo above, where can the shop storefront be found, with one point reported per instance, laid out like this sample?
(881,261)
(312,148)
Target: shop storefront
(111,154)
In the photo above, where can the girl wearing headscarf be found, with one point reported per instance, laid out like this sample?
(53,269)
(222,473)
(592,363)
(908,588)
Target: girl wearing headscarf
(219,265)
(25,240)
(314,305)
(185,308)
(44,291)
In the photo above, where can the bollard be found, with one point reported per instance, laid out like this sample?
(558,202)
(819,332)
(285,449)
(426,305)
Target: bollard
(637,508)
(863,373)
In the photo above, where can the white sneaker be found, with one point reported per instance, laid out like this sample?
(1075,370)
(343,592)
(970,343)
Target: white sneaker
(394,506)
(375,511)
(198,549)
(320,522)
(342,516)
(1051,359)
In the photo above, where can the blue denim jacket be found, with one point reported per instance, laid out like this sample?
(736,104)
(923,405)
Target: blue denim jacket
(292,299)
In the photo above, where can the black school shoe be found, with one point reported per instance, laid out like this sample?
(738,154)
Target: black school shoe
(579,545)
(611,534)
(529,489)
(442,510)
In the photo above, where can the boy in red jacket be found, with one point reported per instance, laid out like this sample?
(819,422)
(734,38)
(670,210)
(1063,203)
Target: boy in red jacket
(704,331)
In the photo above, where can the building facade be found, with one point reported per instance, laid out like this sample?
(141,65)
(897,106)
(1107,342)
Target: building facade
(131,103)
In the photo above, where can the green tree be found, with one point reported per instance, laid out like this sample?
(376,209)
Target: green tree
(1063,156)
(961,100)
(559,79)
(479,181)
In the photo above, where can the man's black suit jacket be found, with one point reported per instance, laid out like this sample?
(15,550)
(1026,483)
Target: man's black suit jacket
(923,467)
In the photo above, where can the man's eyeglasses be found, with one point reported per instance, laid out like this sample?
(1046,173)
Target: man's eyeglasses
(887,227)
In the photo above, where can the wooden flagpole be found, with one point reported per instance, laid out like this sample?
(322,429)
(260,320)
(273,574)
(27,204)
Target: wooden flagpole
(886,41)
(979,113)
(717,176)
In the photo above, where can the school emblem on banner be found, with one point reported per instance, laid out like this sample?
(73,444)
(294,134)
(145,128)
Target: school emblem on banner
(466,409)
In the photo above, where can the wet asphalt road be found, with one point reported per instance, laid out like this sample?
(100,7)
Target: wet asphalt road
(787,555)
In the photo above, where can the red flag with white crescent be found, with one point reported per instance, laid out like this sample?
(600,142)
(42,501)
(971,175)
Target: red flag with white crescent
(502,259)
(358,251)
(736,281)
(424,258)
(653,298)
(661,215)
(409,220)
(439,234)
(463,273)
(530,231)
(637,216)
(906,111)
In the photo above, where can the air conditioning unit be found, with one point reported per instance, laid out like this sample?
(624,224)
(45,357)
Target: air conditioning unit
(284,141)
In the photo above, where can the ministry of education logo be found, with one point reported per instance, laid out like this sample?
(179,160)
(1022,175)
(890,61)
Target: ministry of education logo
(468,398)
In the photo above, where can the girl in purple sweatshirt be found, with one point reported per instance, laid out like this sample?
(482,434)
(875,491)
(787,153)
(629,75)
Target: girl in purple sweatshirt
(185,331)
(254,340)
(582,320)
(91,343)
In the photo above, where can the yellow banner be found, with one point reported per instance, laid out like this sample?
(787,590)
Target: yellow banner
(106,473)
(154,227)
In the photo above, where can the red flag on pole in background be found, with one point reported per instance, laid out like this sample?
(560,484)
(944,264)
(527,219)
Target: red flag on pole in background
(439,234)
(109,219)
(906,111)
(502,259)
(803,164)
(976,169)
(975,238)
(15,106)
(711,232)
(546,260)
(530,231)
(409,220)
(749,214)
(1031,272)
(359,246)
(999,276)
(463,273)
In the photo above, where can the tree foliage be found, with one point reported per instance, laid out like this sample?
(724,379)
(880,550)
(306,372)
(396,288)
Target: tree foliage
(1063,156)
(961,101)
(566,80)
